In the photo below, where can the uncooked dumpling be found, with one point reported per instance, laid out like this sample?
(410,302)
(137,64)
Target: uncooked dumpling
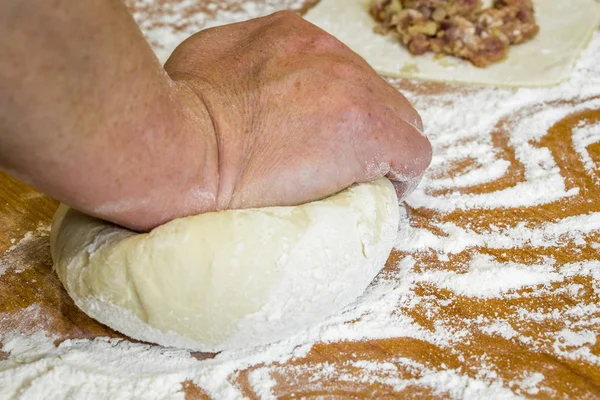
(565,28)
(228,279)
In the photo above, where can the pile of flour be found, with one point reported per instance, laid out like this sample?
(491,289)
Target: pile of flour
(457,124)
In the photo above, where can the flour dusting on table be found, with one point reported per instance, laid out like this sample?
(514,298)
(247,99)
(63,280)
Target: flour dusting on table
(465,245)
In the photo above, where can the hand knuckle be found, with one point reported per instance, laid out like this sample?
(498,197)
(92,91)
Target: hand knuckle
(344,70)
(285,16)
(324,42)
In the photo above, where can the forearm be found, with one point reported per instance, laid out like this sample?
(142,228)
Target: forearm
(88,116)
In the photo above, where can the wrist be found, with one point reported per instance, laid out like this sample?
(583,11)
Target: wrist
(172,170)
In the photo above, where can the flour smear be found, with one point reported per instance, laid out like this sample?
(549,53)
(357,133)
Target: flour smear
(458,124)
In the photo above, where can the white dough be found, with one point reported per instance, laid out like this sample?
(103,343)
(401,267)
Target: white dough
(228,279)
(565,28)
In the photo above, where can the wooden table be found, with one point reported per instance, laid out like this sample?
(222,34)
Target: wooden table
(28,281)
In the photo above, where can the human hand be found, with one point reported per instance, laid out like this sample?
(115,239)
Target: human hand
(272,111)
(294,115)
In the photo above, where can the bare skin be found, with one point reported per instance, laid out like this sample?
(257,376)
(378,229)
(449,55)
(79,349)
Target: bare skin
(272,111)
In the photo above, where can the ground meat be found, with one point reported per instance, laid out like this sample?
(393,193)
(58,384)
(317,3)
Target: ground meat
(458,27)
(525,8)
(510,20)
(459,37)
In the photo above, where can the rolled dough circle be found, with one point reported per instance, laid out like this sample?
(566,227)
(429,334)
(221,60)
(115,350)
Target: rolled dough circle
(228,279)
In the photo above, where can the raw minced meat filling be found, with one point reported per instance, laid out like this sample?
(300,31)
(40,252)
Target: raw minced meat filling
(461,28)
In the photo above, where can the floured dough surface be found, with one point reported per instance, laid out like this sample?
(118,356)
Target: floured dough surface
(228,279)
(565,28)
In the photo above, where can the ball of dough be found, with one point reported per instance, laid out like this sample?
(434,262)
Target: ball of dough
(228,279)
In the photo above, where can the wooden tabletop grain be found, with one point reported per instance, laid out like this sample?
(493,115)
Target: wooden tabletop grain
(27,281)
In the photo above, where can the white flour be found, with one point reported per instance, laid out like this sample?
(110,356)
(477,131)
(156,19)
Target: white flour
(36,368)
(584,136)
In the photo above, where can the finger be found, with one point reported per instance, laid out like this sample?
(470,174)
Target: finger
(409,152)
(398,103)
(405,188)
(392,147)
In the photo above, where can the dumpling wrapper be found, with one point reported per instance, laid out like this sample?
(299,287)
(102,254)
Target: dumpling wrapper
(565,29)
